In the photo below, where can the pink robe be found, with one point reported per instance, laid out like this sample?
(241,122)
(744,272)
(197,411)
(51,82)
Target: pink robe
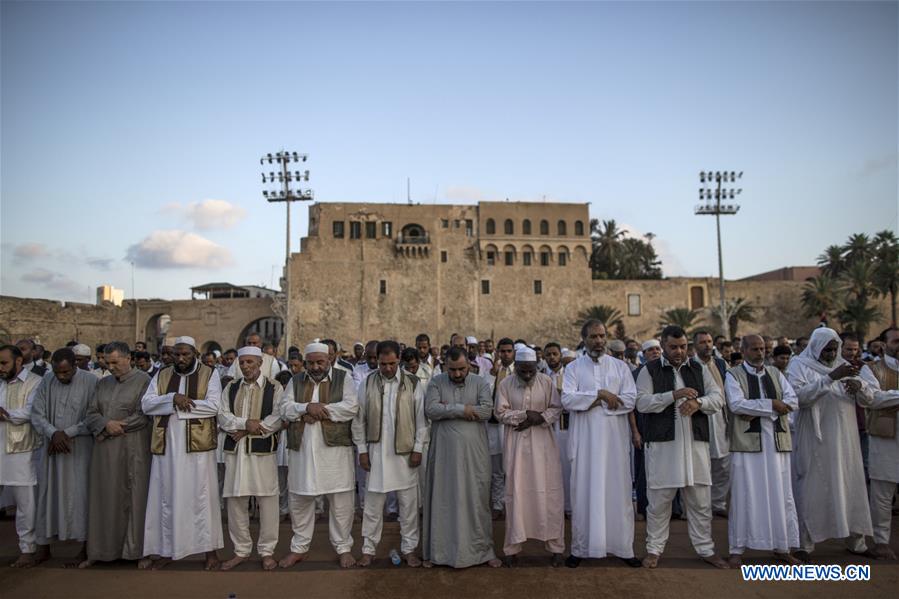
(535,497)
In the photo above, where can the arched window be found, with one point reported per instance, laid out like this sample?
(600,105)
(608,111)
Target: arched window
(413,233)
(526,227)
(544,227)
(509,227)
(563,228)
(579,228)
(491,227)
(509,255)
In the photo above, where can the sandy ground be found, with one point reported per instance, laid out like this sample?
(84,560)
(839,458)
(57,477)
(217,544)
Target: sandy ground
(680,574)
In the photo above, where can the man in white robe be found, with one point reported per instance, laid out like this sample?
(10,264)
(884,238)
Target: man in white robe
(183,511)
(830,480)
(719,448)
(320,404)
(599,392)
(503,367)
(58,415)
(555,370)
(250,417)
(676,397)
(762,512)
(270,366)
(883,456)
(18,442)
(389,431)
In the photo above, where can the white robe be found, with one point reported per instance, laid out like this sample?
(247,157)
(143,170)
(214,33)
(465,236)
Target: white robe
(317,468)
(248,474)
(602,514)
(762,511)
(183,511)
(562,438)
(883,453)
(683,462)
(16,469)
(389,471)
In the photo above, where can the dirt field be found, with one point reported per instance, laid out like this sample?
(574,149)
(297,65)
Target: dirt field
(680,574)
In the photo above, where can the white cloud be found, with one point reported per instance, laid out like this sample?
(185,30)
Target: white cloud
(174,248)
(671,266)
(208,214)
(52,280)
(28,251)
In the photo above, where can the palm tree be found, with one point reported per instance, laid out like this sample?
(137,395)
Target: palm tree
(606,314)
(886,268)
(682,317)
(606,243)
(858,279)
(738,310)
(831,261)
(857,316)
(819,296)
(858,249)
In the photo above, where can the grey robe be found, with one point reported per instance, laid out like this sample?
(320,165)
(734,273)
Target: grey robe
(457,529)
(62,478)
(120,469)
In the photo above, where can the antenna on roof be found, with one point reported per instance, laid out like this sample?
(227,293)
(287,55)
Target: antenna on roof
(408,191)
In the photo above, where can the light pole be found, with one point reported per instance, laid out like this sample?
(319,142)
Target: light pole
(712,194)
(287,194)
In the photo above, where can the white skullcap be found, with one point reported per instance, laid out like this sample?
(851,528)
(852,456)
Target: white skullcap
(360,344)
(519,346)
(316,348)
(82,350)
(217,353)
(249,351)
(471,340)
(651,343)
(569,354)
(186,341)
(525,354)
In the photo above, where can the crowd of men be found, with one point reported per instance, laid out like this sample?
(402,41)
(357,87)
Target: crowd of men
(135,456)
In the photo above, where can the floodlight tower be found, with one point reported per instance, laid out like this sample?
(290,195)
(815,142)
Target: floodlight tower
(712,193)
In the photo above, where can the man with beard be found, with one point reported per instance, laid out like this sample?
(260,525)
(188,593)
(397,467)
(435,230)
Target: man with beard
(719,448)
(528,406)
(58,415)
(320,404)
(31,357)
(457,529)
(82,357)
(425,357)
(883,424)
(598,390)
(120,462)
(676,397)
(183,511)
(368,364)
(18,441)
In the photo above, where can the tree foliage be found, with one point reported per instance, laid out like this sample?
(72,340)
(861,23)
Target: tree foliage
(616,255)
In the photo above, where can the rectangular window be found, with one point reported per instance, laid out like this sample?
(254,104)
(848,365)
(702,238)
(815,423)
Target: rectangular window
(510,258)
(383,290)
(355,230)
(469,227)
(544,258)
(527,258)
(633,304)
(443,256)
(387,229)
(538,287)
(338,229)
(371,230)
(485,287)
(444,222)
(563,258)
(491,258)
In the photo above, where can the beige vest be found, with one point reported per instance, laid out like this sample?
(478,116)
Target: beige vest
(882,423)
(21,438)
(745,435)
(336,434)
(201,432)
(404,428)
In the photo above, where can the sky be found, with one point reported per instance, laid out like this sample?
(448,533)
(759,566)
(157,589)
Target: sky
(131,132)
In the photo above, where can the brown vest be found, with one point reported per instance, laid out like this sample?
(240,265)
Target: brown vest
(404,427)
(336,434)
(201,432)
(882,423)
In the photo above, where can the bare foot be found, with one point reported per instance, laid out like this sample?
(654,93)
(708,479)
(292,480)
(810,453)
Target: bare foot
(365,561)
(735,561)
(785,557)
(269,563)
(233,563)
(883,551)
(42,554)
(412,560)
(26,560)
(291,559)
(212,561)
(145,563)
(427,564)
(86,564)
(651,561)
(495,563)
(160,563)
(716,561)
(347,560)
